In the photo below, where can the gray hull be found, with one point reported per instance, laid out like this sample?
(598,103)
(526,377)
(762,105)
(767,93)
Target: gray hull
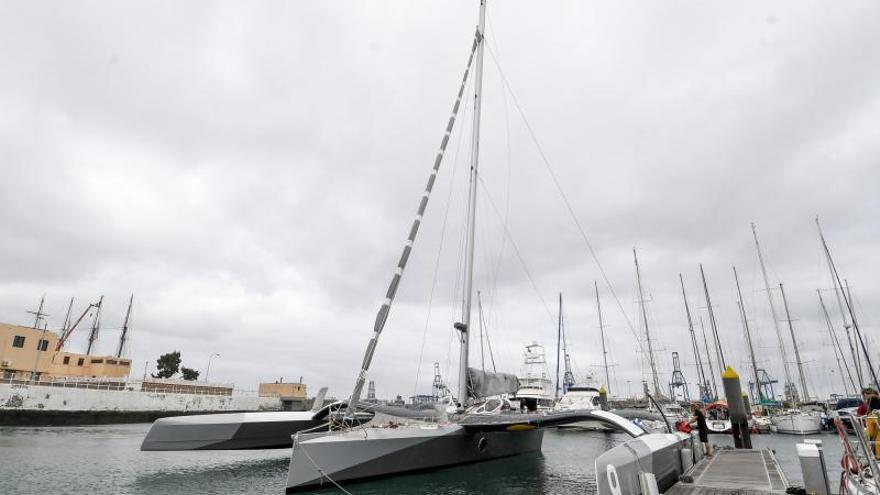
(618,469)
(375,452)
(261,430)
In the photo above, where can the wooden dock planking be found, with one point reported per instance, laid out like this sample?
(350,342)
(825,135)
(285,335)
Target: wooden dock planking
(735,472)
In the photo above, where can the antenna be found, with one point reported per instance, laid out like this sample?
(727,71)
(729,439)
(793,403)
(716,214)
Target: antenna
(38,314)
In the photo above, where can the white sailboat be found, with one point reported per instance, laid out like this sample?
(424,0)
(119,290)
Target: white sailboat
(352,453)
(791,421)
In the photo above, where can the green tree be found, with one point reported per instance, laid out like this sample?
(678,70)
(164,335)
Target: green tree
(167,365)
(189,373)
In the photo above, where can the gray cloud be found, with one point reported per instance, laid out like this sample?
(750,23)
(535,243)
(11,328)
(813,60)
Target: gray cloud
(250,174)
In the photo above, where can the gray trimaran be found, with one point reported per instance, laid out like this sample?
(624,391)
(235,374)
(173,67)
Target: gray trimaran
(349,452)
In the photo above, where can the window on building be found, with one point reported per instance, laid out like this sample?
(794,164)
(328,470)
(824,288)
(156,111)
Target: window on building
(97,361)
(80,361)
(42,345)
(66,359)
(18,341)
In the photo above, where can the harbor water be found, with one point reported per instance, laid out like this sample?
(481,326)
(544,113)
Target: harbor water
(106,460)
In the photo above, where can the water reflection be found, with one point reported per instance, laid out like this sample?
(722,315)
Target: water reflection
(107,460)
(250,476)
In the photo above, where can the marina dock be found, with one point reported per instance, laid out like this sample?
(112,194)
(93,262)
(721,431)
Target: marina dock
(742,472)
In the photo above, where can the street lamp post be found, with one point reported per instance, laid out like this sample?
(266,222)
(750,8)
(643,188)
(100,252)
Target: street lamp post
(208,369)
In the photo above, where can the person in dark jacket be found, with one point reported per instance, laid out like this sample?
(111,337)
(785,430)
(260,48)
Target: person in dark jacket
(872,401)
(698,419)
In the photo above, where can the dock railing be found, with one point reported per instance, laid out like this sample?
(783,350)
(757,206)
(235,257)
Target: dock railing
(859,451)
(162,385)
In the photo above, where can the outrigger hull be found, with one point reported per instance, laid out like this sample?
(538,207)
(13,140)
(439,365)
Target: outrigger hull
(260,430)
(361,454)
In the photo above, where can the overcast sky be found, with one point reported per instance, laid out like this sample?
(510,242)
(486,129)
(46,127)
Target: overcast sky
(250,172)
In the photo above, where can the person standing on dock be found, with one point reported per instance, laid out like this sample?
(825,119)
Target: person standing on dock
(698,419)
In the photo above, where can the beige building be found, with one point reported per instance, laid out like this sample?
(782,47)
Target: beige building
(293,390)
(29,352)
(292,395)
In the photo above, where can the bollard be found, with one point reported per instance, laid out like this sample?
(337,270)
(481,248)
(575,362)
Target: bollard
(813,467)
(739,420)
(603,398)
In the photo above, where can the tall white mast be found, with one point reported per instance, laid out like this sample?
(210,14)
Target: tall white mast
(602,334)
(759,395)
(851,340)
(658,392)
(385,309)
(797,354)
(773,314)
(464,326)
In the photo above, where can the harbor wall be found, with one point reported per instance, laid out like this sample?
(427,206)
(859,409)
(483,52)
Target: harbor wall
(44,405)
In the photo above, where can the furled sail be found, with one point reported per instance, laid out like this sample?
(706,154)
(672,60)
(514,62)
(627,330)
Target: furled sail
(486,384)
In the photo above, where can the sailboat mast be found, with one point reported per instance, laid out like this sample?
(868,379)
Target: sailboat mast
(472,211)
(124,334)
(722,363)
(773,313)
(838,350)
(67,317)
(558,344)
(709,358)
(797,354)
(657,390)
(742,309)
(385,308)
(840,306)
(856,330)
(602,335)
(96,326)
(704,392)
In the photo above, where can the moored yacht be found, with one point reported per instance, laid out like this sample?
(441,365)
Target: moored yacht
(535,387)
(797,422)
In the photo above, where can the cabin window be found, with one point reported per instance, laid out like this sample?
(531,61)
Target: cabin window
(18,341)
(80,361)
(66,359)
(97,361)
(42,345)
(124,363)
(110,361)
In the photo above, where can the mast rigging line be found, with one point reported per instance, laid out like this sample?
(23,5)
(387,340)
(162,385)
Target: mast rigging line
(564,197)
(384,310)
(516,250)
(439,253)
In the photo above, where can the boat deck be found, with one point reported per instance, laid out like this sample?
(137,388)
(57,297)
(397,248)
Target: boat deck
(735,472)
